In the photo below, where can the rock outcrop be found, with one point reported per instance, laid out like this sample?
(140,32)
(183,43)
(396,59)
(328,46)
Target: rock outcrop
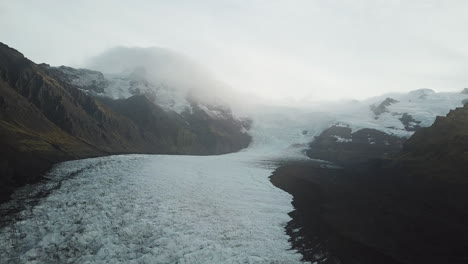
(409,122)
(342,146)
(84,79)
(382,107)
(439,151)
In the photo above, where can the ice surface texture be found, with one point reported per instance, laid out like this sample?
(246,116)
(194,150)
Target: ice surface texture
(155,209)
(166,209)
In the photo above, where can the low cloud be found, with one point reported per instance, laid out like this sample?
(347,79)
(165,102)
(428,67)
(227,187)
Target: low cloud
(322,50)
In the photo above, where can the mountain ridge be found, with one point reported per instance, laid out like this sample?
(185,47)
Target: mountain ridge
(45,119)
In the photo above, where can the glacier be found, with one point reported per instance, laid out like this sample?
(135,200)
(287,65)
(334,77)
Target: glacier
(164,208)
(155,209)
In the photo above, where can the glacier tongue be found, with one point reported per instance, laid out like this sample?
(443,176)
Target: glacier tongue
(165,209)
(156,209)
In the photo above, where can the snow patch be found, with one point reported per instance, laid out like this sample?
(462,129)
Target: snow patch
(342,140)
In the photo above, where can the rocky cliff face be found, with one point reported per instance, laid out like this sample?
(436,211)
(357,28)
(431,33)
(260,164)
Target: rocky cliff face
(48,115)
(443,146)
(342,146)
(381,108)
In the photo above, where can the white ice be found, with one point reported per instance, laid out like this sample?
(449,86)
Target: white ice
(167,209)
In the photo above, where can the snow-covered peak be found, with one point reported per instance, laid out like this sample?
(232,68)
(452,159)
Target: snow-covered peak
(84,79)
(167,96)
(403,115)
(170,79)
(421,93)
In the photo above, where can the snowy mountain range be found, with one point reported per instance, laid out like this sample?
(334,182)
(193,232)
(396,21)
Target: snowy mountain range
(168,79)
(379,127)
(398,114)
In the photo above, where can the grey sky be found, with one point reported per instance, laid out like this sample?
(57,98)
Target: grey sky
(277,49)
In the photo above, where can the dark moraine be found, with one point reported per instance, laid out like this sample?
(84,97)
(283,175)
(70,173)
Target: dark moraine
(408,207)
(327,209)
(365,214)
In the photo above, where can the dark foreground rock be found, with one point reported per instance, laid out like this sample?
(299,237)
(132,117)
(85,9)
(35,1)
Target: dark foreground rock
(340,145)
(370,215)
(409,207)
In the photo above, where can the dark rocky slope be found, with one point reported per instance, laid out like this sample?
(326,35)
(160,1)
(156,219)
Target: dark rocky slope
(440,151)
(342,146)
(90,81)
(339,144)
(411,207)
(187,133)
(45,118)
(382,107)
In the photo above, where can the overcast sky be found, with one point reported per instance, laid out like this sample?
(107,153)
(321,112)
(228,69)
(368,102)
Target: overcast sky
(277,49)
